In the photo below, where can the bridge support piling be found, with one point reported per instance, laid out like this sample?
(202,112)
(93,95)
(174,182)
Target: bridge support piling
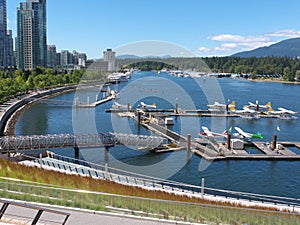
(106,155)
(76,153)
(176,109)
(202,187)
(188,148)
(128,107)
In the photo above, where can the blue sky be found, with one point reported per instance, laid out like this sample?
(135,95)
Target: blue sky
(206,28)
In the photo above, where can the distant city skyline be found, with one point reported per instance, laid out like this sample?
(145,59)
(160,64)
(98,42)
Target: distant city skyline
(206,28)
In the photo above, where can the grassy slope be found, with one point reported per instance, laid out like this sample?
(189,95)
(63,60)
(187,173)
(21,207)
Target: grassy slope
(193,213)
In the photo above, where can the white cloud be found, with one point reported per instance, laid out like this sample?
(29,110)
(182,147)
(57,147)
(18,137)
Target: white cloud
(238,38)
(239,43)
(204,49)
(230,43)
(285,34)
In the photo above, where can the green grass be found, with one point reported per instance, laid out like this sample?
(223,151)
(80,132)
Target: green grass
(61,189)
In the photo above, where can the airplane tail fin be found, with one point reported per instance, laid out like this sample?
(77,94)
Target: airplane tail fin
(268,104)
(232,104)
(232,107)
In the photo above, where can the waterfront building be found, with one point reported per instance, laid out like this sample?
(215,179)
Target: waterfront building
(110,57)
(66,58)
(51,56)
(3,33)
(73,60)
(10,49)
(32,34)
(82,58)
(100,65)
(58,59)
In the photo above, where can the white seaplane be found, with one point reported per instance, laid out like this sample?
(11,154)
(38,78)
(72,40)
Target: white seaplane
(206,132)
(246,112)
(283,113)
(117,105)
(242,134)
(145,106)
(220,107)
(256,105)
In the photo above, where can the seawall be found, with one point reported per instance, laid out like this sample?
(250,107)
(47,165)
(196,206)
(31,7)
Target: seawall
(14,106)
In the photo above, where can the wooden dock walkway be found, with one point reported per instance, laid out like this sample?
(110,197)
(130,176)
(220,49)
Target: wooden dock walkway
(210,150)
(95,104)
(263,148)
(286,151)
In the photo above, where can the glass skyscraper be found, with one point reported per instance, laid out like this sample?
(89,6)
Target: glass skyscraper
(3,33)
(32,34)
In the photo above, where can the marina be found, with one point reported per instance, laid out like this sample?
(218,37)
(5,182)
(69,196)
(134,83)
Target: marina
(240,169)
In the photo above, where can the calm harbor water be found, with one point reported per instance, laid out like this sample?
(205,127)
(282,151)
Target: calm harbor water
(264,177)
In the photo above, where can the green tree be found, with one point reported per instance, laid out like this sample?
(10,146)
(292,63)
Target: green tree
(30,83)
(297,75)
(287,74)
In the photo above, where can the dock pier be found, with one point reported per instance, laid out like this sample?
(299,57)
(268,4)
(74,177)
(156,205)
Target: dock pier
(210,150)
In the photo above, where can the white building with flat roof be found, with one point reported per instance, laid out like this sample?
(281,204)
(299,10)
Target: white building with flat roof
(110,57)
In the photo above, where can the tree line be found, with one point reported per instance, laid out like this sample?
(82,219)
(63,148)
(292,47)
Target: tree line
(18,82)
(286,66)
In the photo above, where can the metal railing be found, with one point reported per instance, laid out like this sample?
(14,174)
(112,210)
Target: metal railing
(84,168)
(37,142)
(36,218)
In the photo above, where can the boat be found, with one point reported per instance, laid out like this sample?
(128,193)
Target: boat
(113,79)
(123,77)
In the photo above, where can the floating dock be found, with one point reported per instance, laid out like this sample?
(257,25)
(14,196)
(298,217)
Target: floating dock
(210,150)
(190,113)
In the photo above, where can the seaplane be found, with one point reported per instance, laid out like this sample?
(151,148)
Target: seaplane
(206,132)
(256,105)
(145,106)
(242,134)
(283,113)
(117,105)
(246,112)
(220,107)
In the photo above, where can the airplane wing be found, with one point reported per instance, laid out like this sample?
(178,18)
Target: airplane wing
(247,110)
(251,104)
(207,131)
(241,132)
(287,111)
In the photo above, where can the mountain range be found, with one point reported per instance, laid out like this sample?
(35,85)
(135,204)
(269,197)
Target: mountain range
(285,48)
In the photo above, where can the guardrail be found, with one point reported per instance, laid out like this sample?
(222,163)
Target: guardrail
(37,217)
(128,178)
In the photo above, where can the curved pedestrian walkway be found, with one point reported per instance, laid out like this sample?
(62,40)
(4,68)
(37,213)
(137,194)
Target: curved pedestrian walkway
(8,108)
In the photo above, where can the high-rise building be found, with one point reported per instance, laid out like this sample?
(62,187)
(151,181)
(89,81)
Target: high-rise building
(10,49)
(66,58)
(32,34)
(110,57)
(3,31)
(51,56)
